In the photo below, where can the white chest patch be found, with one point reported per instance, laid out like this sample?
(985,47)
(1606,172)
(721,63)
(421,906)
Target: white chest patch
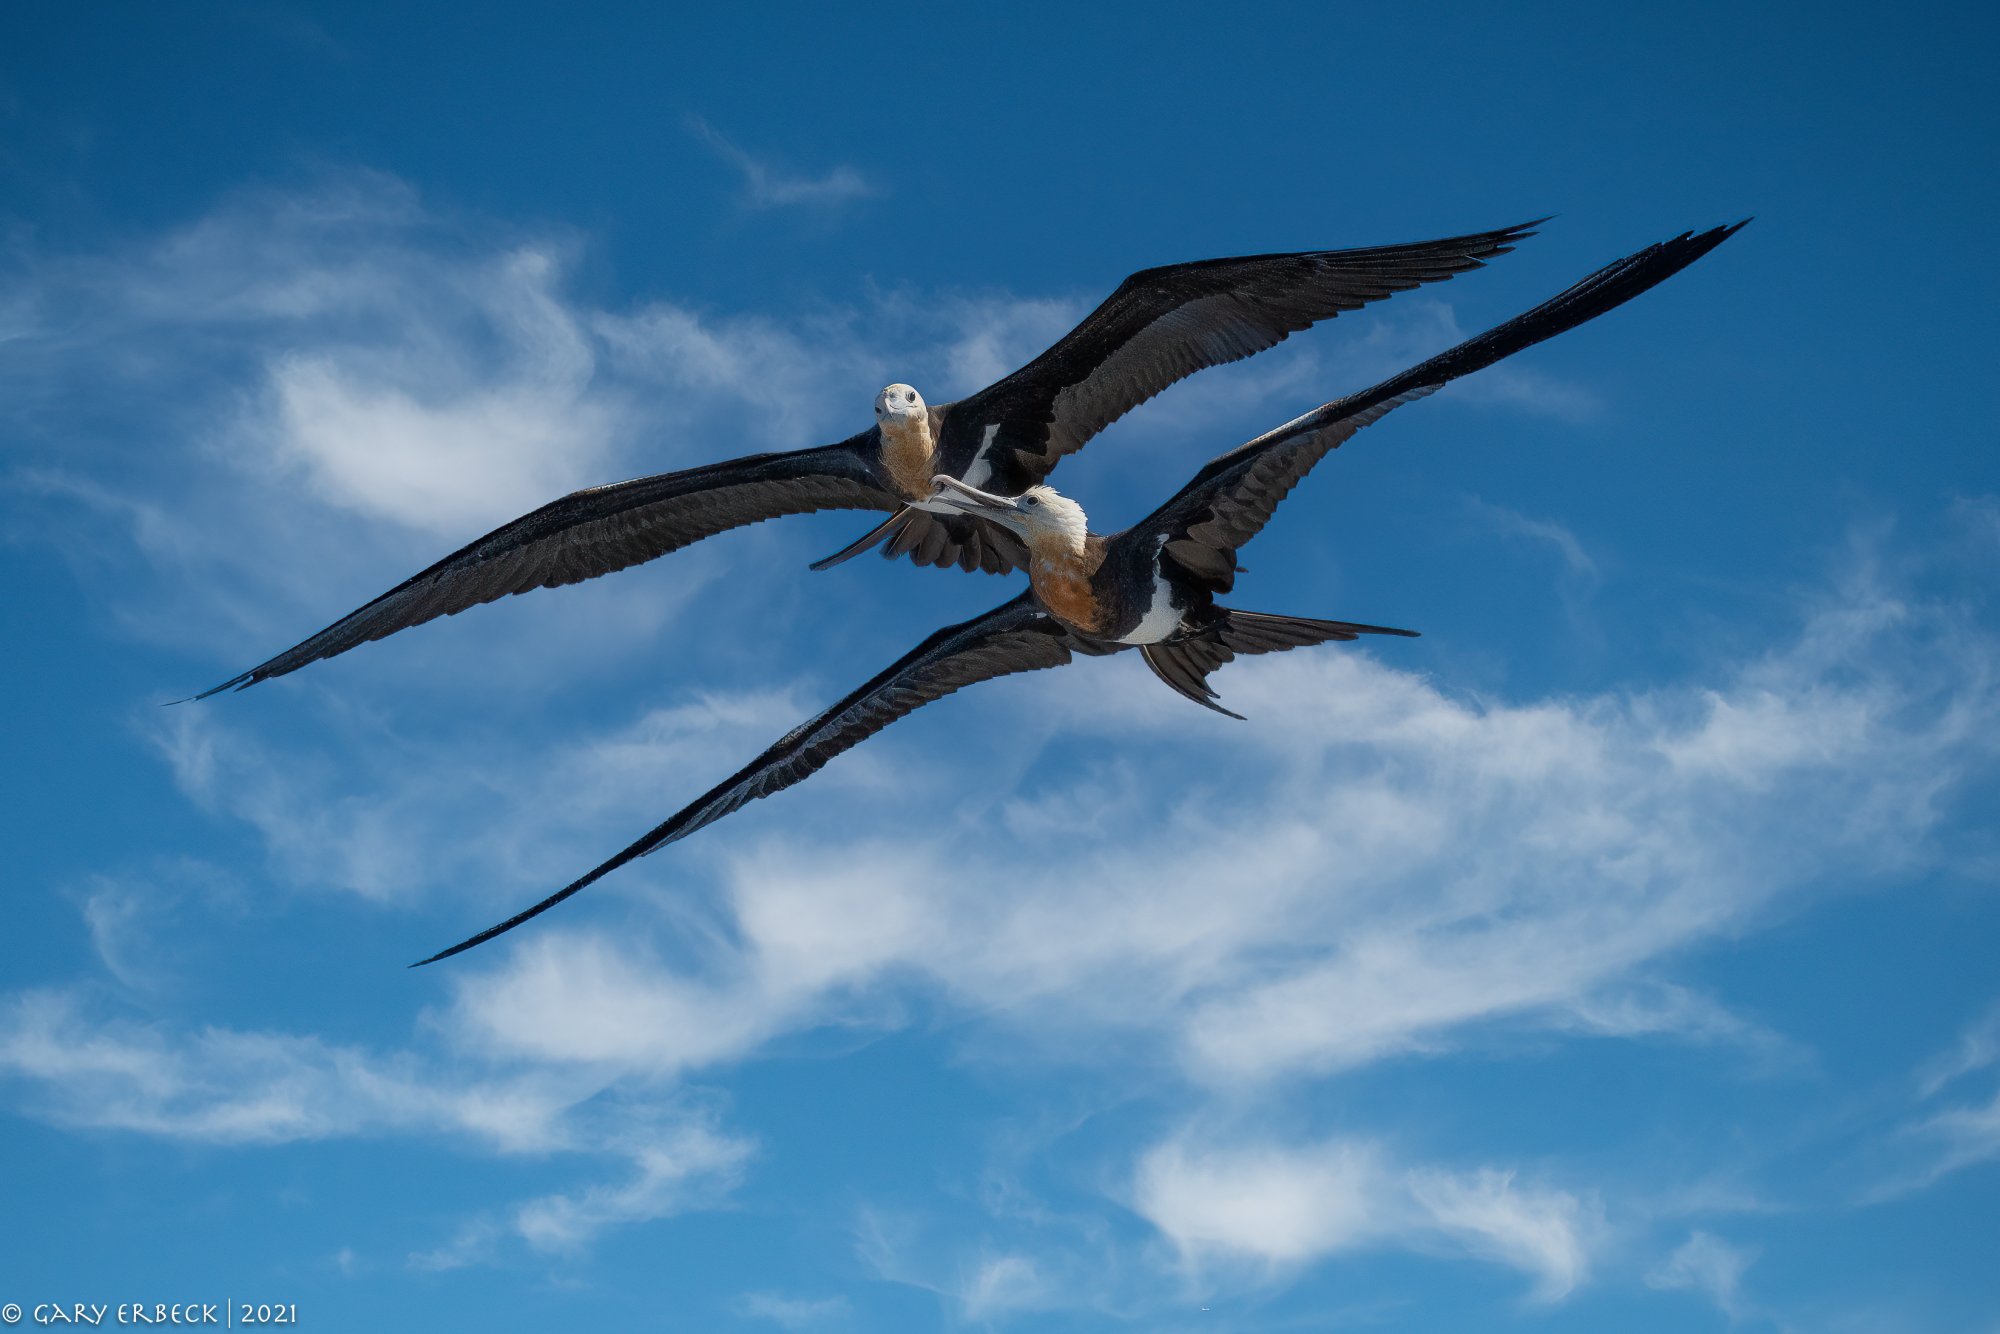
(1162,618)
(981,470)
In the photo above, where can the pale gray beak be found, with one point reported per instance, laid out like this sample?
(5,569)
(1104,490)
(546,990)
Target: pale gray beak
(949,495)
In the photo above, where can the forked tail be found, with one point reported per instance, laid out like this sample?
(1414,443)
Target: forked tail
(1185,662)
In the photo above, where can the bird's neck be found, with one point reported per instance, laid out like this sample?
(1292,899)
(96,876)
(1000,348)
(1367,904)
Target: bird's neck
(907,450)
(1062,573)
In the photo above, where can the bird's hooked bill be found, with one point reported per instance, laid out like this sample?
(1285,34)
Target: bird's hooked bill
(957,495)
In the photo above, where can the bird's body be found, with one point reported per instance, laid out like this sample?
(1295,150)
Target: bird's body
(1111,590)
(1153,586)
(1160,326)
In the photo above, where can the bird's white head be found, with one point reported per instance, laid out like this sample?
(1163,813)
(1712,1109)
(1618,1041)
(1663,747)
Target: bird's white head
(899,405)
(1050,522)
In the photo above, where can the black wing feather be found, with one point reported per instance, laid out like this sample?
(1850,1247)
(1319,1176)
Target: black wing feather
(1231,499)
(1017,636)
(1164,324)
(594,532)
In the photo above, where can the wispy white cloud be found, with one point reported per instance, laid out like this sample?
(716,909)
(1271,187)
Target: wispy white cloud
(1963,1136)
(1940,1138)
(985,1283)
(1709,1266)
(689,1164)
(766,186)
(793,1312)
(300,393)
(1643,1008)
(384,829)
(1977,1048)
(118,916)
(1543,1232)
(1002,1285)
(76,1067)
(1001,336)
(475,1243)
(226,1086)
(409,441)
(1272,1205)
(1281,1206)
(1577,563)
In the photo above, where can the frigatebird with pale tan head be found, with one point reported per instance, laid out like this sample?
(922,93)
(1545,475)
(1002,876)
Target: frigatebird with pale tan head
(1160,326)
(1151,587)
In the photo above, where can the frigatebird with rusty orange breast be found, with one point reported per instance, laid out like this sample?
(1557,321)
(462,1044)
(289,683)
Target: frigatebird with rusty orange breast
(1159,327)
(1151,587)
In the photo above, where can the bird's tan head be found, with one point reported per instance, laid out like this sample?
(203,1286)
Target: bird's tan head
(899,406)
(1053,519)
(1051,523)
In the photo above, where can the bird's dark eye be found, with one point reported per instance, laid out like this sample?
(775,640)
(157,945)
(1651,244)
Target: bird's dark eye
(1030,500)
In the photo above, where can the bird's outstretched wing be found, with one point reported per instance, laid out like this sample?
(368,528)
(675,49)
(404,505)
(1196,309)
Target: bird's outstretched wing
(1017,636)
(597,531)
(1164,324)
(1231,499)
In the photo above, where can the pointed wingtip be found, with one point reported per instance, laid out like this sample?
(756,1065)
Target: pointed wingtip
(638,849)
(466,944)
(1724,231)
(480,939)
(1693,245)
(1502,240)
(242,682)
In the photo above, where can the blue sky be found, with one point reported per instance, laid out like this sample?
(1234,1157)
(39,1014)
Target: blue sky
(1618,955)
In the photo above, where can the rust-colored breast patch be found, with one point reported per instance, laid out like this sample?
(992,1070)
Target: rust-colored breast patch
(1067,596)
(907,455)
